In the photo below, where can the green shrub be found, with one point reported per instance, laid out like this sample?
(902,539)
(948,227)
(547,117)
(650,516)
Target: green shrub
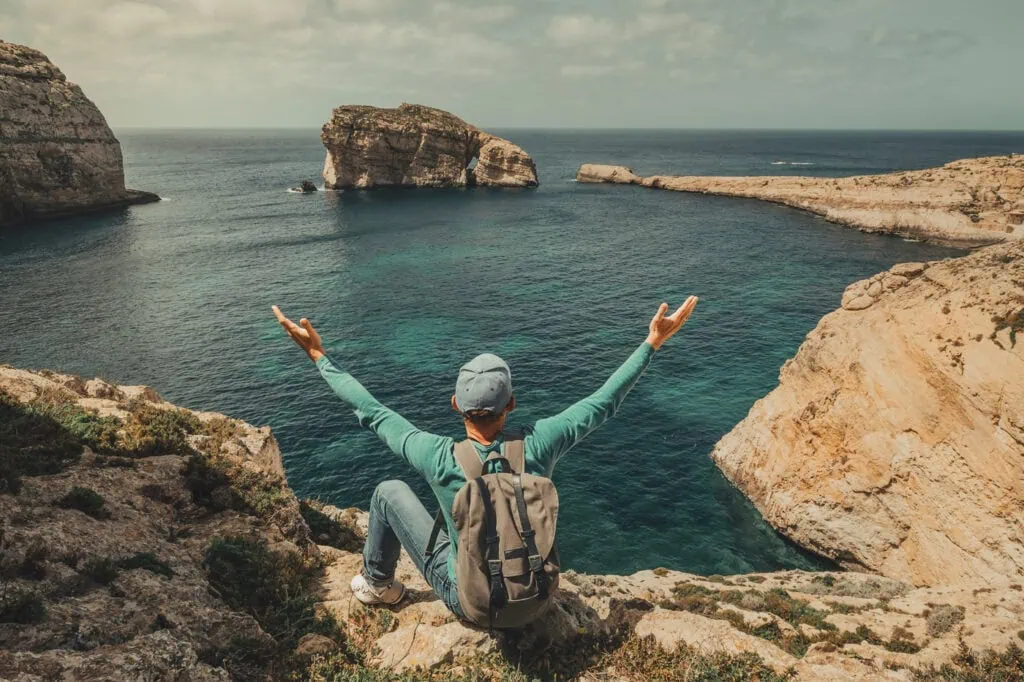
(328,531)
(151,431)
(942,618)
(102,570)
(276,588)
(970,666)
(85,500)
(33,563)
(146,561)
(21,606)
(218,484)
(32,443)
(902,641)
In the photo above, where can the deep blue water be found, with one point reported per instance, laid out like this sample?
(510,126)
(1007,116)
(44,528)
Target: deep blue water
(407,285)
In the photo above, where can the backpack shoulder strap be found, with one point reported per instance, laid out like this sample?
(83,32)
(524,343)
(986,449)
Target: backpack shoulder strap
(468,459)
(514,452)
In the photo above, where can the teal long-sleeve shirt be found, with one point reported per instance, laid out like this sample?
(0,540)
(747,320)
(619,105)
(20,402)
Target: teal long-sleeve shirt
(432,455)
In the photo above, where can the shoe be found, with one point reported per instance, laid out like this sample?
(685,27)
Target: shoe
(370,595)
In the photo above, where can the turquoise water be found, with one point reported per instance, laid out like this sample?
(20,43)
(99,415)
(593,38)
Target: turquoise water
(407,285)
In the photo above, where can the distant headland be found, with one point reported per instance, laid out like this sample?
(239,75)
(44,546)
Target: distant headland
(966,203)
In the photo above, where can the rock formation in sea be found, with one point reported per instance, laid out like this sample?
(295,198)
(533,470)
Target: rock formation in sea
(417,146)
(139,540)
(57,154)
(894,442)
(966,203)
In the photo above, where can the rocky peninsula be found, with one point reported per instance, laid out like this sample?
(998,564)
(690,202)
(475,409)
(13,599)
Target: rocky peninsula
(140,540)
(417,146)
(966,203)
(58,156)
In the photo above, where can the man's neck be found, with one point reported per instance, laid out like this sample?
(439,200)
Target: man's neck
(482,436)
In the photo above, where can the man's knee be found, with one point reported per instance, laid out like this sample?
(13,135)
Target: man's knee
(389,490)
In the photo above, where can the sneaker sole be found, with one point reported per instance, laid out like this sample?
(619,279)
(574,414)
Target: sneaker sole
(380,602)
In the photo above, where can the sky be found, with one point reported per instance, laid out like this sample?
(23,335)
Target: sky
(862,64)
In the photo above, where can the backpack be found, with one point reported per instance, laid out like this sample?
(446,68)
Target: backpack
(506,568)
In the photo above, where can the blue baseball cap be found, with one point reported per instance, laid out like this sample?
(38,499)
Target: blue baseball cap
(484,383)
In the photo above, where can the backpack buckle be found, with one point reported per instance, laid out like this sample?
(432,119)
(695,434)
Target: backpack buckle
(536,563)
(494,567)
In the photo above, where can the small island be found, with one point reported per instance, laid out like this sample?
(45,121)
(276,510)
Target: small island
(967,203)
(417,146)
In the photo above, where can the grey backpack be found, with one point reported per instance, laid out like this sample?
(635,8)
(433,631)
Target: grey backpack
(507,564)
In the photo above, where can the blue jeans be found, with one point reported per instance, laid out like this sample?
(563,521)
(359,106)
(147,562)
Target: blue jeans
(398,519)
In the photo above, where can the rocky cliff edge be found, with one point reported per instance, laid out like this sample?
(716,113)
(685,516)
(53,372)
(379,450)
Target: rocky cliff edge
(144,541)
(894,442)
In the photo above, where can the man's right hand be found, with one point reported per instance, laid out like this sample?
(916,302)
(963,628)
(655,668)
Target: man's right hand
(662,328)
(305,336)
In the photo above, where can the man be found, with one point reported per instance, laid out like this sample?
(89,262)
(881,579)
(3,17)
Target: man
(483,397)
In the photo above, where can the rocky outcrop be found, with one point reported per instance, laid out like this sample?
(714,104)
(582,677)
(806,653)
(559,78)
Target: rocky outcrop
(142,541)
(57,154)
(417,146)
(894,441)
(110,500)
(966,203)
(823,626)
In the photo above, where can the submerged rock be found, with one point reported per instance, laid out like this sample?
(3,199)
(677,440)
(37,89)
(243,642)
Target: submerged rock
(57,154)
(307,187)
(417,146)
(894,441)
(969,203)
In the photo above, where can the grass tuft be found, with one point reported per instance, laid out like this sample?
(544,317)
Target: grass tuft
(85,500)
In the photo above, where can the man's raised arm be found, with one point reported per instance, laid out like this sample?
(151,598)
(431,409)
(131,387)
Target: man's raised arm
(413,445)
(554,436)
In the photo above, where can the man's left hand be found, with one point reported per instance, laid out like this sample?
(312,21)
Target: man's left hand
(305,336)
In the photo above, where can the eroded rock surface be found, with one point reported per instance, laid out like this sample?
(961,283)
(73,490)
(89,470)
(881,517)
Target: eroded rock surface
(824,626)
(895,439)
(417,146)
(971,202)
(57,154)
(113,586)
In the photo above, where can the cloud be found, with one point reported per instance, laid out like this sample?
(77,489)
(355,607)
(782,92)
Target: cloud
(473,14)
(128,18)
(599,70)
(580,28)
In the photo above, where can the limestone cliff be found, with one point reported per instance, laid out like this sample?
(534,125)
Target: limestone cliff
(894,441)
(142,541)
(57,154)
(969,203)
(417,146)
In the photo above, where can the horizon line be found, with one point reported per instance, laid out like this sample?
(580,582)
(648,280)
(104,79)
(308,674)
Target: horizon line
(609,128)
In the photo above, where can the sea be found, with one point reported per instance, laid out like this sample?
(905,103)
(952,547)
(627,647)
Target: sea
(406,285)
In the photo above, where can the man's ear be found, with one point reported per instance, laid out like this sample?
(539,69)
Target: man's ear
(455,406)
(511,405)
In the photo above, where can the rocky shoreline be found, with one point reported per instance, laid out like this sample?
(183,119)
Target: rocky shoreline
(58,156)
(967,203)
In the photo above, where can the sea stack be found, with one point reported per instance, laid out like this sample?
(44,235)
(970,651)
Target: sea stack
(417,146)
(58,156)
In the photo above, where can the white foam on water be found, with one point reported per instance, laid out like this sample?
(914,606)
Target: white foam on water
(792,163)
